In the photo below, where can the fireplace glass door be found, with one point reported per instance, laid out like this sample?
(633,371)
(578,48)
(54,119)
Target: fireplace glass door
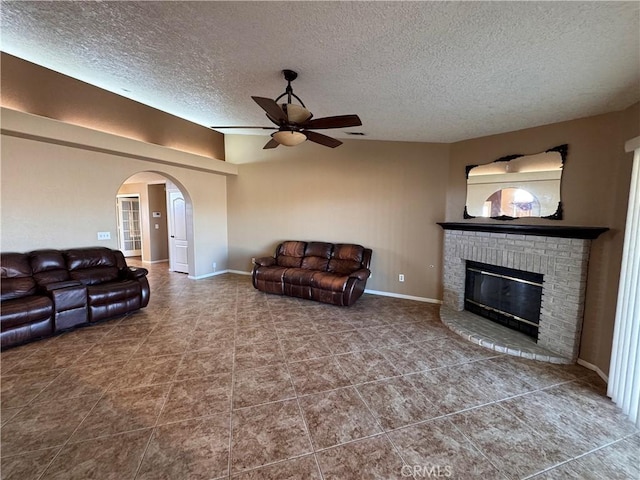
(504,295)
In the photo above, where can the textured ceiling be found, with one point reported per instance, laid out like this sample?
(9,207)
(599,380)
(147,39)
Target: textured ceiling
(413,71)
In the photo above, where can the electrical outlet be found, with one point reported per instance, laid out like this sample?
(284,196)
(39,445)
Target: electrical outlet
(253,259)
(401,277)
(104,235)
(214,266)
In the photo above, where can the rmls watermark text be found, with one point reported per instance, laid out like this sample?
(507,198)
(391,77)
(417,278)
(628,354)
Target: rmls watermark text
(427,471)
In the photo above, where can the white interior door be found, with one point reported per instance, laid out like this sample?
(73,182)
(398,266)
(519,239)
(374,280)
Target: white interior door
(129,228)
(178,243)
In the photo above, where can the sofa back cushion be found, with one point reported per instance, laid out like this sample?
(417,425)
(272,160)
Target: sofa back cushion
(290,253)
(317,255)
(17,280)
(48,266)
(346,258)
(92,266)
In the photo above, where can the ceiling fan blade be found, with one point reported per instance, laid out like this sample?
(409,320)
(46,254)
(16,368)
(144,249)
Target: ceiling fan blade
(236,126)
(270,144)
(274,112)
(339,121)
(322,139)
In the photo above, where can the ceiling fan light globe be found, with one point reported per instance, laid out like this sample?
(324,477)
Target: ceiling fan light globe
(296,113)
(289,138)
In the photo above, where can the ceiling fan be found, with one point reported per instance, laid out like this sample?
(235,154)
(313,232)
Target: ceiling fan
(294,123)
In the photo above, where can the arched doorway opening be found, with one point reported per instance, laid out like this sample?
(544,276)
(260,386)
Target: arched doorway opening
(154,220)
(512,202)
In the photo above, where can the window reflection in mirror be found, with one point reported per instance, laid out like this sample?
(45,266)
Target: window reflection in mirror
(517,186)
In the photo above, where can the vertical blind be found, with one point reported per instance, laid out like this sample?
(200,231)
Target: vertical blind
(624,371)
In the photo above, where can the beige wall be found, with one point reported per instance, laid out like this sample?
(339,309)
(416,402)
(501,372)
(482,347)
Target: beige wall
(34,89)
(387,196)
(595,188)
(59,196)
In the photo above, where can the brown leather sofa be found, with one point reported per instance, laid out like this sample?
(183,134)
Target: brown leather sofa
(325,272)
(47,291)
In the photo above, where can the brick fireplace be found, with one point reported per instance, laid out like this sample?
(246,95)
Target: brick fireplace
(559,254)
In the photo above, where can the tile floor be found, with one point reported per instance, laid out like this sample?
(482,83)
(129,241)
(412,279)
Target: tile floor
(217,380)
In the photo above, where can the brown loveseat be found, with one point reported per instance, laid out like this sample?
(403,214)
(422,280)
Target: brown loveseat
(326,272)
(46,291)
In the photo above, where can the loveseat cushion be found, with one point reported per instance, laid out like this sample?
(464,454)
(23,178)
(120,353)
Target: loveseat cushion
(49,266)
(290,254)
(317,255)
(22,311)
(346,258)
(329,281)
(17,280)
(299,276)
(92,266)
(270,274)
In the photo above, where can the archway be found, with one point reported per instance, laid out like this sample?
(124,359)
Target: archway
(165,217)
(512,202)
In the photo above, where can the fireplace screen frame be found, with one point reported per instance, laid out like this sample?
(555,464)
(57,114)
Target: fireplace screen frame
(503,304)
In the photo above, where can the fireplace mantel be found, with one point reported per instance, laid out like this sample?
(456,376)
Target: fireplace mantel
(586,233)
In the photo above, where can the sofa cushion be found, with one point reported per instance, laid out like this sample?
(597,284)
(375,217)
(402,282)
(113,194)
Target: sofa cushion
(17,281)
(22,311)
(111,292)
(290,254)
(92,266)
(346,258)
(49,266)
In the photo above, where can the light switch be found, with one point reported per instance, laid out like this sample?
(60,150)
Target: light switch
(157,227)
(104,235)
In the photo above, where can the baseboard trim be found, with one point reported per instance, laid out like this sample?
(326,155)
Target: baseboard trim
(156,261)
(593,367)
(238,272)
(207,275)
(404,297)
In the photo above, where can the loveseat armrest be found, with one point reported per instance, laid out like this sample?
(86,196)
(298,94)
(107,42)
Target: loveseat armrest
(132,273)
(60,285)
(362,274)
(265,261)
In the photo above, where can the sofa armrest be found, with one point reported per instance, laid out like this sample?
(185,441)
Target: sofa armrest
(133,273)
(60,285)
(68,295)
(265,261)
(361,274)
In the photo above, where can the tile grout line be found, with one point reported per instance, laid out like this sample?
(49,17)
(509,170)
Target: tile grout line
(88,413)
(476,447)
(601,447)
(164,403)
(233,386)
(300,411)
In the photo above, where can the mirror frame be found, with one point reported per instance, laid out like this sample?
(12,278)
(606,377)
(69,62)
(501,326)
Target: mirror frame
(557,215)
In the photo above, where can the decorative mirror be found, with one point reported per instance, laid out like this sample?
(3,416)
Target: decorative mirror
(517,186)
